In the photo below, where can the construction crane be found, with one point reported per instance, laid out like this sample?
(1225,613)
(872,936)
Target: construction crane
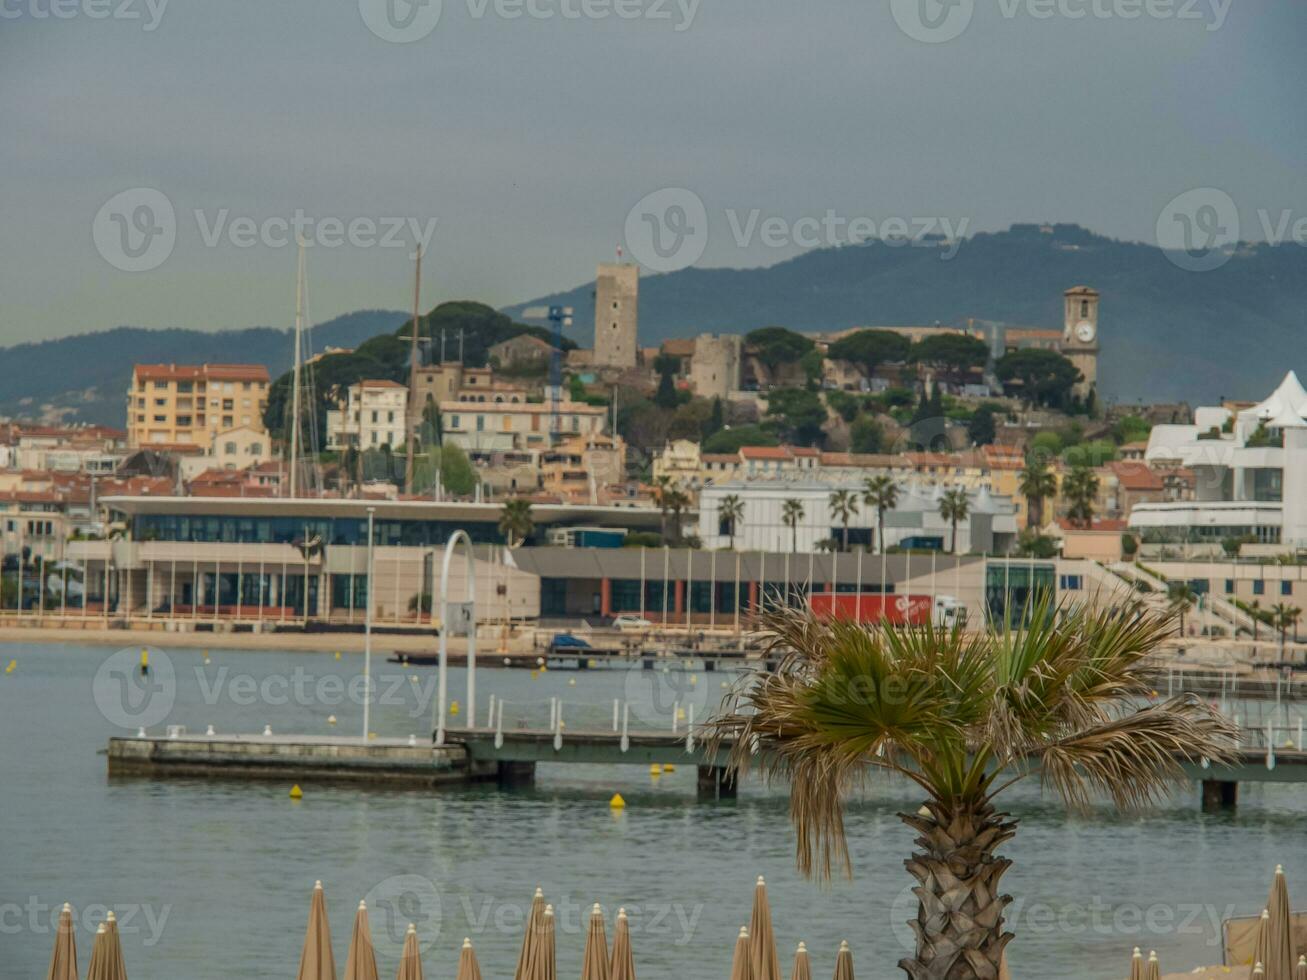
(559,317)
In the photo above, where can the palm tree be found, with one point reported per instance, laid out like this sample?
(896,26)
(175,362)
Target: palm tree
(1080,488)
(662,487)
(843,507)
(953,507)
(1284,616)
(515,522)
(1037,485)
(791,514)
(731,510)
(963,716)
(1182,595)
(677,501)
(882,493)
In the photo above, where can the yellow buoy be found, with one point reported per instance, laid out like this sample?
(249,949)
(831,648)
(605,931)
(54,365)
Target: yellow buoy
(669,767)
(372,734)
(655,770)
(296,793)
(680,713)
(337,654)
(331,719)
(453,707)
(11,667)
(617,803)
(694,679)
(535,674)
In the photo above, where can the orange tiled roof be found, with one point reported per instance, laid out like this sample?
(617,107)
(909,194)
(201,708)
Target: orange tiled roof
(201,372)
(1134,475)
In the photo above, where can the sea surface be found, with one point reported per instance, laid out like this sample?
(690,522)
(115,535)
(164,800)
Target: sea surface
(212,879)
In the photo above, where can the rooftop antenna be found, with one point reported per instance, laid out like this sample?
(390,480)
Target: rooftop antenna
(413,377)
(442,345)
(460,345)
(295,382)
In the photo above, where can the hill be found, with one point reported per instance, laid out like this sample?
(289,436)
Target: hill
(84,377)
(1166,334)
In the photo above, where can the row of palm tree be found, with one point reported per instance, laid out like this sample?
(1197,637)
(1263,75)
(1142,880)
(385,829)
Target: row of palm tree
(1039,483)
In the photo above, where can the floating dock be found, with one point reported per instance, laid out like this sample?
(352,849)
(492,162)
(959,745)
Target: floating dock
(297,759)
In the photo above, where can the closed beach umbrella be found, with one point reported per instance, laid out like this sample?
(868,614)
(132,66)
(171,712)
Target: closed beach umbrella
(1258,972)
(1154,971)
(316,960)
(468,967)
(844,963)
(1300,971)
(1137,965)
(595,965)
(106,954)
(763,962)
(740,962)
(63,958)
(623,962)
(530,937)
(545,966)
(802,968)
(1262,941)
(1278,960)
(361,963)
(410,960)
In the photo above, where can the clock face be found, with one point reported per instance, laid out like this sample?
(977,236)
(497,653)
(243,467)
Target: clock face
(1085,331)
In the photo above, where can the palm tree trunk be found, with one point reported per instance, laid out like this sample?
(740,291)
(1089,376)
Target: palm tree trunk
(1035,513)
(880,527)
(846,535)
(959,923)
(953,545)
(794,529)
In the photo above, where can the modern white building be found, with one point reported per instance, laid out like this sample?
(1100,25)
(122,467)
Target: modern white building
(990,528)
(373,416)
(1250,470)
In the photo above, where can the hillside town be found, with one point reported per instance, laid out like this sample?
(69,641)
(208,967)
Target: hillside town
(980,440)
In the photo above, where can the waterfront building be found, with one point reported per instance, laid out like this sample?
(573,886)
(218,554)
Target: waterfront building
(372,415)
(1249,468)
(186,405)
(990,527)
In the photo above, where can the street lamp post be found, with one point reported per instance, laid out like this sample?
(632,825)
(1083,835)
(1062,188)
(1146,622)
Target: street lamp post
(367,635)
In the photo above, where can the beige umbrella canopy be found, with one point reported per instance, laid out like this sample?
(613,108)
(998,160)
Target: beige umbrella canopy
(468,967)
(1278,959)
(763,962)
(545,965)
(1262,941)
(530,937)
(623,961)
(1154,969)
(1300,971)
(595,965)
(316,960)
(107,953)
(410,960)
(1137,965)
(844,963)
(361,963)
(63,958)
(740,969)
(802,968)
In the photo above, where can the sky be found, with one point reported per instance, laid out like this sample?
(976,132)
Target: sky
(155,155)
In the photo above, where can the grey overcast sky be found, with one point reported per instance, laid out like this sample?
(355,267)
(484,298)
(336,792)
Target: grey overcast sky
(529,138)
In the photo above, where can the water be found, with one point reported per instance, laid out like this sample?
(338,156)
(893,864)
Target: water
(216,876)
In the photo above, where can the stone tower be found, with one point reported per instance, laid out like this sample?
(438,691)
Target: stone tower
(1080,334)
(617,294)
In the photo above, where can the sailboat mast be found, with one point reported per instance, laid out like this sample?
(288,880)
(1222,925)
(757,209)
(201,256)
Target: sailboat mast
(295,382)
(413,377)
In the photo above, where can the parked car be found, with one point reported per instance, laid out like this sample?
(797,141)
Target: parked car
(632,623)
(569,642)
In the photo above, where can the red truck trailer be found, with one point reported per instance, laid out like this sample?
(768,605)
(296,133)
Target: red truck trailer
(897,610)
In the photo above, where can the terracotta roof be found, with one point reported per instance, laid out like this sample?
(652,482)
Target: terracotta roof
(764,452)
(201,372)
(928,459)
(804,451)
(1134,475)
(725,458)
(379,383)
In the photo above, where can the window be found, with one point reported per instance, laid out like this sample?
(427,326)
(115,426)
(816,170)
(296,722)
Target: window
(374,415)
(453,421)
(1073,583)
(508,423)
(481,423)
(1229,586)
(228,404)
(1259,587)
(1286,587)
(229,448)
(390,416)
(374,438)
(160,402)
(1084,307)
(256,449)
(227,421)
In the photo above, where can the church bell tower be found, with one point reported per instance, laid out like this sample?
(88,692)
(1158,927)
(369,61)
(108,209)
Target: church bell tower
(1080,335)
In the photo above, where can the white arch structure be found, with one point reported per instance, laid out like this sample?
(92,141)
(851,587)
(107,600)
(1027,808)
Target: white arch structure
(444,635)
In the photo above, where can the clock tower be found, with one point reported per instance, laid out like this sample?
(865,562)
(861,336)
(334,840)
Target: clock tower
(1080,335)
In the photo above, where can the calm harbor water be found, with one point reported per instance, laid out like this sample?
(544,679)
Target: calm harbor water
(212,879)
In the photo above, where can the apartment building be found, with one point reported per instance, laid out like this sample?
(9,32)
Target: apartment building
(186,405)
(372,416)
(494,426)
